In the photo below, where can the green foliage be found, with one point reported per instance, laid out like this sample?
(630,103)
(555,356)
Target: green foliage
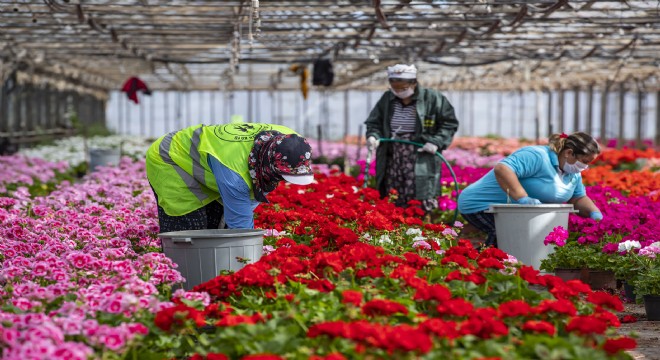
(647,281)
(574,255)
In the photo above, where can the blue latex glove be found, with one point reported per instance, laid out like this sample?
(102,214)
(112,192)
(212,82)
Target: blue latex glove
(528,201)
(596,215)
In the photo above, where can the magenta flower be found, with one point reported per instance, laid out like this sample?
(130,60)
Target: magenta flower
(558,236)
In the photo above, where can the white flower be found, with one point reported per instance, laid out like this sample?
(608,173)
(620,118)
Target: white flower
(419,238)
(629,245)
(384,239)
(300,192)
(330,196)
(367,236)
(414,231)
(355,189)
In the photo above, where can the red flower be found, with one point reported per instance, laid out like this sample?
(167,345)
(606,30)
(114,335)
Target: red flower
(587,325)
(233,320)
(490,263)
(455,307)
(459,260)
(177,315)
(628,319)
(433,292)
(539,327)
(529,274)
(560,306)
(262,357)
(602,298)
(352,297)
(613,346)
(322,285)
(383,307)
(514,308)
(216,356)
(440,328)
(333,356)
(415,260)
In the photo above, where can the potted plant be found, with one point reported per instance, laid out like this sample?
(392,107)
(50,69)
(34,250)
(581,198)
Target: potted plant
(586,262)
(647,285)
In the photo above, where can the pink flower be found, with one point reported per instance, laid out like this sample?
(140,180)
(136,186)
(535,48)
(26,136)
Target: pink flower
(113,340)
(558,236)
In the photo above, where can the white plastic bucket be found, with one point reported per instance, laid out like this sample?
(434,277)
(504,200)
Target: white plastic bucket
(202,254)
(521,229)
(103,157)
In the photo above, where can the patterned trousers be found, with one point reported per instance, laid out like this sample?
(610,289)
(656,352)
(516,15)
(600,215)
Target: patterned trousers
(484,222)
(207,217)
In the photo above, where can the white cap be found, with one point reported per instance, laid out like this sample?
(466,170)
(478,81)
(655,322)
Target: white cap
(402,71)
(299,179)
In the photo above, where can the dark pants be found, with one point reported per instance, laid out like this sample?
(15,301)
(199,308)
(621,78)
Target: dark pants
(484,222)
(207,217)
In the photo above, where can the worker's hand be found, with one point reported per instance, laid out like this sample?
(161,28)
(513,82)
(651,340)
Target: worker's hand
(596,215)
(372,142)
(429,148)
(528,201)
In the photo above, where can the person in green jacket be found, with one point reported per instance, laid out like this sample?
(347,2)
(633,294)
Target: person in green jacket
(410,112)
(209,177)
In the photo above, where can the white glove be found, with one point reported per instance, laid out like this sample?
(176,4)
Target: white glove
(372,142)
(429,148)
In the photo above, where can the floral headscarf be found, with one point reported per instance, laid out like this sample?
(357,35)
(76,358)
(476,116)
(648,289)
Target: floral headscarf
(274,154)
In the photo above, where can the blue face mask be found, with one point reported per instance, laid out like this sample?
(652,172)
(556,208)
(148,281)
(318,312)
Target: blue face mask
(578,167)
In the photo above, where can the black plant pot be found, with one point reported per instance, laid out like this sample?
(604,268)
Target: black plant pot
(652,305)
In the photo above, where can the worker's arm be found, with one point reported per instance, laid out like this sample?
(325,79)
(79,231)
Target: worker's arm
(375,119)
(238,207)
(509,182)
(582,203)
(585,206)
(446,123)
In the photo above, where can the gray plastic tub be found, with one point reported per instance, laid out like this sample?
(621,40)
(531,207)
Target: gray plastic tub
(521,229)
(202,254)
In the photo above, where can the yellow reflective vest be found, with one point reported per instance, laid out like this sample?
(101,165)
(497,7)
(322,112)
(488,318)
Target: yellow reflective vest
(178,168)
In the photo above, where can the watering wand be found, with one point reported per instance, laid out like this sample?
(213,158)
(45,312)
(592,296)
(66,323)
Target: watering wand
(437,153)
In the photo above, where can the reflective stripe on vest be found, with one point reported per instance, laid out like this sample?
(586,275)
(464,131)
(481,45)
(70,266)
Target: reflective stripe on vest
(198,171)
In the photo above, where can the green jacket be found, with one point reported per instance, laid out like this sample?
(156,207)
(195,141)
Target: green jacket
(436,123)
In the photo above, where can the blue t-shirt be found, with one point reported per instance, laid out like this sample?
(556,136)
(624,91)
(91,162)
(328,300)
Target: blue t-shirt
(235,194)
(537,169)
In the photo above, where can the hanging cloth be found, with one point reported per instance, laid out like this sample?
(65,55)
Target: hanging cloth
(132,86)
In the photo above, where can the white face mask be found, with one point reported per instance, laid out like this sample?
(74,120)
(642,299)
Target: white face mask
(403,94)
(574,168)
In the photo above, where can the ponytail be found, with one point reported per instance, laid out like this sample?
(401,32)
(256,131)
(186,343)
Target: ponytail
(581,143)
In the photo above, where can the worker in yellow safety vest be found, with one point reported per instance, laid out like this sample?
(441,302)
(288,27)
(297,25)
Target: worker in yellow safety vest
(208,177)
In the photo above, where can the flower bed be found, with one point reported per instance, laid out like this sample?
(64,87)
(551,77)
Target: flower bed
(349,276)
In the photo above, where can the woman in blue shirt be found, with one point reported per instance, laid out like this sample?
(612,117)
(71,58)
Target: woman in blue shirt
(534,175)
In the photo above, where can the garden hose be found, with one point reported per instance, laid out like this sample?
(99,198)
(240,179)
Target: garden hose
(437,153)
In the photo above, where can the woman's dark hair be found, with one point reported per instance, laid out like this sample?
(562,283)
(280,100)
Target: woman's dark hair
(581,143)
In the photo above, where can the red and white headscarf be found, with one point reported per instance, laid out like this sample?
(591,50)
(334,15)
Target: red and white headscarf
(275,154)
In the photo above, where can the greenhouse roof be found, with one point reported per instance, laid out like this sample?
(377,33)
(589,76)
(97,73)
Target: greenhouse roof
(252,44)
